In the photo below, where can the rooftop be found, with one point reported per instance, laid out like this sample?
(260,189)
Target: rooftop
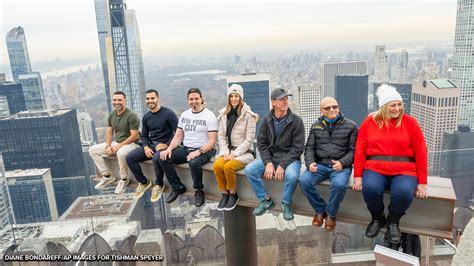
(443,83)
(71,234)
(26,172)
(15,32)
(100,206)
(37,113)
(248,77)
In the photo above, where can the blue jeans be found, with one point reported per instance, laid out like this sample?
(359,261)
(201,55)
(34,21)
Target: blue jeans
(138,155)
(254,172)
(337,190)
(401,187)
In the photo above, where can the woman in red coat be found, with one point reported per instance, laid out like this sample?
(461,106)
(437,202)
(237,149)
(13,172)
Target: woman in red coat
(391,155)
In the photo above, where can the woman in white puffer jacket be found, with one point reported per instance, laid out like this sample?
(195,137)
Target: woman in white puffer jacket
(236,136)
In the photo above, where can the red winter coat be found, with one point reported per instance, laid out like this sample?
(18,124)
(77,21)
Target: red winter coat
(406,140)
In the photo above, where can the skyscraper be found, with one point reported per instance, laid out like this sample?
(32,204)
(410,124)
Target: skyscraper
(456,162)
(6,213)
(68,189)
(32,195)
(434,104)
(18,52)
(403,75)
(15,96)
(4,109)
(256,92)
(128,61)
(105,44)
(463,58)
(308,99)
(351,94)
(86,128)
(42,139)
(329,70)
(33,90)
(380,64)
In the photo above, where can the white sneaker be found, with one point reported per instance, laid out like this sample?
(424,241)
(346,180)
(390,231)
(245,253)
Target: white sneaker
(121,186)
(141,190)
(157,192)
(104,181)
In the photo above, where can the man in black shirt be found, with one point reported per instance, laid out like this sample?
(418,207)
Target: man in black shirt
(158,127)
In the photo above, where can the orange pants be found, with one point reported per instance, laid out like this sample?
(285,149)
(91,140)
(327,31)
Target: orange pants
(225,172)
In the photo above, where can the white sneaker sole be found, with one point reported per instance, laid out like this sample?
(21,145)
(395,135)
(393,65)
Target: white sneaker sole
(102,186)
(233,207)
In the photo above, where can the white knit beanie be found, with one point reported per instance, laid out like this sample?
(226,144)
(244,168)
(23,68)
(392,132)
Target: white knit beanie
(387,93)
(236,88)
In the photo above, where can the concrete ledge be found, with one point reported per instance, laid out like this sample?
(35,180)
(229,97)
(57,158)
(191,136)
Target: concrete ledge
(430,217)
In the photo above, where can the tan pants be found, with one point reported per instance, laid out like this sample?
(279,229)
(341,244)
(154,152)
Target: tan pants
(98,150)
(225,173)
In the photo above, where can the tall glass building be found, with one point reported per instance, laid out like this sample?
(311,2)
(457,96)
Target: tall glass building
(104,33)
(463,58)
(351,94)
(15,96)
(18,52)
(42,139)
(68,189)
(256,92)
(33,90)
(6,214)
(128,62)
(32,195)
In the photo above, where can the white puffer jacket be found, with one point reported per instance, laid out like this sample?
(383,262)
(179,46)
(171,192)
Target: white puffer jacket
(243,134)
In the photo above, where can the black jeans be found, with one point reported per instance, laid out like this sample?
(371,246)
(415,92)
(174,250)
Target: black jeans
(138,155)
(178,156)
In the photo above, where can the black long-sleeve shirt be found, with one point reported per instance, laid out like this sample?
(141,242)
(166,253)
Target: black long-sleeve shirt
(158,127)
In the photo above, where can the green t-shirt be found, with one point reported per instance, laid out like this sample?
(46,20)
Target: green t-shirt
(122,124)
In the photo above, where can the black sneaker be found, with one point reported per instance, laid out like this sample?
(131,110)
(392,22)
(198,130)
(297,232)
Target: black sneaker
(232,202)
(223,202)
(174,195)
(198,198)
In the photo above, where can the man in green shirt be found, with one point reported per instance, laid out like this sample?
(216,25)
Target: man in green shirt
(122,133)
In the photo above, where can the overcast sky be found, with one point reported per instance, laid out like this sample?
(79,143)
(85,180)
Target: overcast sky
(67,28)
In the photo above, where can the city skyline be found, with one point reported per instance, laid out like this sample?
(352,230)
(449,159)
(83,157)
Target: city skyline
(175,28)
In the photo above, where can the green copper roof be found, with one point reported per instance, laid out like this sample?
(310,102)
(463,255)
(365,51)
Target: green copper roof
(443,83)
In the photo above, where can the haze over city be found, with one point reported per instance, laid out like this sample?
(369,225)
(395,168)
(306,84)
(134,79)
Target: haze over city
(67,29)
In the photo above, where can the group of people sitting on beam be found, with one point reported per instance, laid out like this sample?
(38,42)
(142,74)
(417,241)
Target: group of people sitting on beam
(387,153)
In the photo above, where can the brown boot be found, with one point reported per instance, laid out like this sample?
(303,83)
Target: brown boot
(318,219)
(330,223)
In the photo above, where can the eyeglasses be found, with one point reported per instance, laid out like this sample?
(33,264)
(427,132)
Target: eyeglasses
(328,108)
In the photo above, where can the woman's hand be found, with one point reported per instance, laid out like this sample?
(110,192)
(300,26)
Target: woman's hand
(357,186)
(421,191)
